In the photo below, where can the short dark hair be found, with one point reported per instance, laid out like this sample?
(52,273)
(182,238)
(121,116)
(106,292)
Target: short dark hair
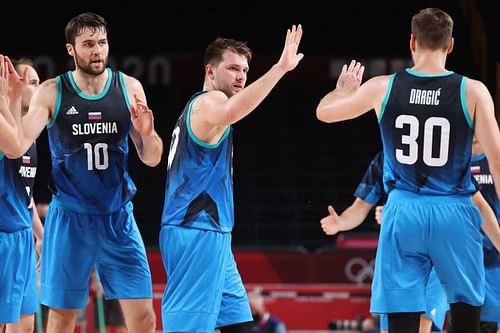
(80,22)
(215,50)
(432,28)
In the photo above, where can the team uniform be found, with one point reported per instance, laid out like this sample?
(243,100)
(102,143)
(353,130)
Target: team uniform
(371,190)
(490,311)
(90,219)
(427,134)
(204,289)
(18,277)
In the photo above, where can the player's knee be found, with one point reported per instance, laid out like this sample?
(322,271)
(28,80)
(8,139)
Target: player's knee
(147,320)
(27,328)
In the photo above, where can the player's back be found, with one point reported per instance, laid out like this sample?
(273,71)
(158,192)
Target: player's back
(427,134)
(199,190)
(88,139)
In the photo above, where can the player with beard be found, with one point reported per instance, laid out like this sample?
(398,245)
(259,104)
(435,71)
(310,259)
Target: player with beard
(89,113)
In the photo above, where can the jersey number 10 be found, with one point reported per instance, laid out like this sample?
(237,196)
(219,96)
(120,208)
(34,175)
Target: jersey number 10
(97,157)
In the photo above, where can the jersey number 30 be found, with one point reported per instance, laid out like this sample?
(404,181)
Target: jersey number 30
(97,156)
(411,140)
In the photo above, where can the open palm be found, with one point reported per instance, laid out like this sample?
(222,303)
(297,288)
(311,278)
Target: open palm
(289,57)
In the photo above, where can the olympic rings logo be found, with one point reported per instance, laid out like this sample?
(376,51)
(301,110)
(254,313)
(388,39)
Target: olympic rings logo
(358,270)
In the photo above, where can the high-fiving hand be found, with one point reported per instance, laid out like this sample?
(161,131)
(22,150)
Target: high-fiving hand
(350,77)
(289,57)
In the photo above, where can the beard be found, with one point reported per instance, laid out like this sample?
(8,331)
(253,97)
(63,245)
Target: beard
(88,68)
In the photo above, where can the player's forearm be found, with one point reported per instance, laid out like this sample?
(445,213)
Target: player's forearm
(244,102)
(330,108)
(490,223)
(150,149)
(351,218)
(12,131)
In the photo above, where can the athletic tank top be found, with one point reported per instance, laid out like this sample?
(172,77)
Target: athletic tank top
(17,178)
(88,140)
(427,134)
(199,188)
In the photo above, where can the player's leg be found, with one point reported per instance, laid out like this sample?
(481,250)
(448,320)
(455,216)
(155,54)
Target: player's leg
(18,291)
(68,252)
(30,298)
(235,315)
(436,305)
(195,263)
(139,315)
(123,269)
(401,265)
(456,251)
(490,311)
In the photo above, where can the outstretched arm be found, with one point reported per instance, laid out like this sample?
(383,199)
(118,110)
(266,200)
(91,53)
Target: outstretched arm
(353,216)
(486,126)
(218,110)
(350,100)
(11,92)
(490,223)
(147,142)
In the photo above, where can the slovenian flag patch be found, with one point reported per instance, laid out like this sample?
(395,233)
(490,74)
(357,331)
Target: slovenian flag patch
(95,115)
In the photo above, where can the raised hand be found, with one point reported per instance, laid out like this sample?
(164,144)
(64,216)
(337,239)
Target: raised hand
(350,77)
(4,78)
(289,57)
(331,223)
(142,117)
(16,84)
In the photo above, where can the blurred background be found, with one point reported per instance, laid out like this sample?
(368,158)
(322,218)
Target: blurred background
(287,165)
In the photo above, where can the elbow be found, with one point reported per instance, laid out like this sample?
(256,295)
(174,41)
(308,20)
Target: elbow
(322,115)
(153,162)
(14,152)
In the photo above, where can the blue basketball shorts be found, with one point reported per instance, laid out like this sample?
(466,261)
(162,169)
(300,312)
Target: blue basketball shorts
(76,243)
(419,232)
(435,301)
(18,276)
(204,288)
(490,311)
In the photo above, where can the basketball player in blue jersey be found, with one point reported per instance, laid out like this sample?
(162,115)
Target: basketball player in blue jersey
(89,113)
(27,164)
(490,311)
(204,288)
(369,192)
(18,277)
(427,117)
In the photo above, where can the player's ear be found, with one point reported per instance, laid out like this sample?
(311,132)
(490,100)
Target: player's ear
(450,46)
(70,49)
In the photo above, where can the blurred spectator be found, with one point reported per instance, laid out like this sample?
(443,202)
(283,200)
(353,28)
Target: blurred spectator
(369,325)
(264,322)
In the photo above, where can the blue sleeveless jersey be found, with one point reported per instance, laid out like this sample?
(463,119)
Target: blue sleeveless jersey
(17,178)
(199,187)
(427,134)
(371,187)
(88,139)
(481,172)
